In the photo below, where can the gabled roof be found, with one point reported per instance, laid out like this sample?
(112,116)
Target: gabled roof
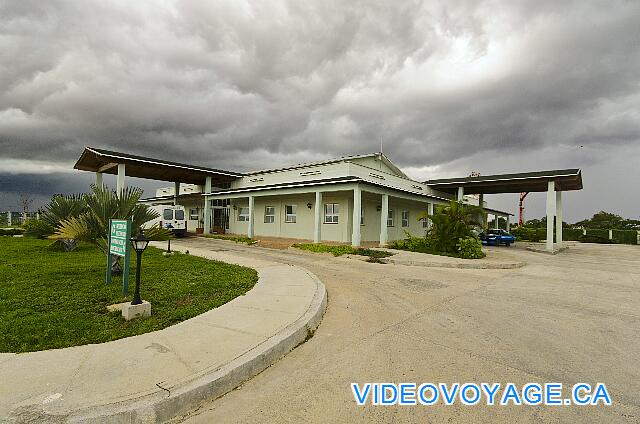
(379,155)
(106,161)
(565,179)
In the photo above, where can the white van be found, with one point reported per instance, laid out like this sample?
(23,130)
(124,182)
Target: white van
(171,217)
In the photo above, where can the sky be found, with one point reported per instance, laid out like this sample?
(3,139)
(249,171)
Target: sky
(446,88)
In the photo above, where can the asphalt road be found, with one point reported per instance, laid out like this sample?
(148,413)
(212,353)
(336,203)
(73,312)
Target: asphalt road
(568,318)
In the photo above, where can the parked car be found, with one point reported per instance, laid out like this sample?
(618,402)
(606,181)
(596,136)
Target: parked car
(497,237)
(171,217)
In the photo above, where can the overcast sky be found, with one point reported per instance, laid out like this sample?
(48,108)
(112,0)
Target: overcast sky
(449,87)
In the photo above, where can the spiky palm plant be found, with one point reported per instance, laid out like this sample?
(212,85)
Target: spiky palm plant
(103,204)
(451,223)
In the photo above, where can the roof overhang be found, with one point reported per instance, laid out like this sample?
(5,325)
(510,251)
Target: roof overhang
(106,161)
(565,180)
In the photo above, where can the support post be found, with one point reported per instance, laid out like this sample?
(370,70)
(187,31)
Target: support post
(384,214)
(559,218)
(120,179)
(460,193)
(496,223)
(508,224)
(357,210)
(430,212)
(250,226)
(610,234)
(551,200)
(99,179)
(207,207)
(317,219)
(9,218)
(176,193)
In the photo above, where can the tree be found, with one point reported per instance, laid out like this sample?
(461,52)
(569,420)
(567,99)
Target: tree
(103,204)
(607,220)
(451,223)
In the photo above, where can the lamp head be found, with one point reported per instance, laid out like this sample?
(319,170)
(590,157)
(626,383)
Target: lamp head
(139,242)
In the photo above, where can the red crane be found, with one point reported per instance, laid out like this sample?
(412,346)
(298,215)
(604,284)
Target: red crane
(521,205)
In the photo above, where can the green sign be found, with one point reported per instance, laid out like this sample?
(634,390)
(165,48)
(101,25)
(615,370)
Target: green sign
(118,242)
(119,235)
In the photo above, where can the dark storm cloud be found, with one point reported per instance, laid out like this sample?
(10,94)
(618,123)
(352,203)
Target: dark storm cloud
(248,85)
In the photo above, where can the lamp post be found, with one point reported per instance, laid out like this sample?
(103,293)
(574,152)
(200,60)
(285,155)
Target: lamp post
(139,243)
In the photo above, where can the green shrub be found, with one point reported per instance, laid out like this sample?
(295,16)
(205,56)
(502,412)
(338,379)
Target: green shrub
(470,248)
(590,238)
(413,244)
(339,250)
(37,228)
(598,233)
(625,236)
(571,234)
(11,231)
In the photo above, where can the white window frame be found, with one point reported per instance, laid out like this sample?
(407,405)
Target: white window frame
(290,218)
(269,218)
(390,218)
(405,221)
(243,217)
(331,213)
(194,212)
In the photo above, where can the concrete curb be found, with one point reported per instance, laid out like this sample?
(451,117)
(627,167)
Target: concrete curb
(160,408)
(545,251)
(489,265)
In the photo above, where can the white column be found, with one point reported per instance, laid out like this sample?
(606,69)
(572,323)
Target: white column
(120,179)
(176,193)
(508,224)
(357,204)
(551,200)
(559,218)
(460,193)
(99,179)
(9,218)
(496,222)
(317,229)
(207,207)
(384,213)
(430,212)
(481,200)
(584,231)
(250,226)
(610,234)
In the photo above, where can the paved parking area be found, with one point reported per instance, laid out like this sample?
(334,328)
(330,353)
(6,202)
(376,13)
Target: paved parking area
(567,318)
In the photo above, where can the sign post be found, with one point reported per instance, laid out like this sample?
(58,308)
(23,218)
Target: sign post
(118,243)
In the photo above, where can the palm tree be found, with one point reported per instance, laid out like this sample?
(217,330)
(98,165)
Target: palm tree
(102,205)
(451,223)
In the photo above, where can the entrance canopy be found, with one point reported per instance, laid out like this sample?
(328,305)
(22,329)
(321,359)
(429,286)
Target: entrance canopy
(565,180)
(106,161)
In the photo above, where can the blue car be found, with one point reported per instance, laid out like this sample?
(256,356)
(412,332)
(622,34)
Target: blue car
(497,237)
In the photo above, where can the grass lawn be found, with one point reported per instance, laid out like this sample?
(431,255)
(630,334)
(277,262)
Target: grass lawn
(51,299)
(339,250)
(237,239)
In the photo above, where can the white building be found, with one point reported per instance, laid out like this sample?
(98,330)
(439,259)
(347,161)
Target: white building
(357,199)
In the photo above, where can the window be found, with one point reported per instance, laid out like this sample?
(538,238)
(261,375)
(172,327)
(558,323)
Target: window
(221,202)
(390,218)
(269,214)
(331,213)
(167,214)
(243,214)
(405,218)
(290,213)
(425,223)
(362,215)
(194,214)
(179,214)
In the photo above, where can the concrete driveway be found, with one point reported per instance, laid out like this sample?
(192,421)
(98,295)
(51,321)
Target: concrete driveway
(574,317)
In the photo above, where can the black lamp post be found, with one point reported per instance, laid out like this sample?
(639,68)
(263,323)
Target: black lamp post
(139,243)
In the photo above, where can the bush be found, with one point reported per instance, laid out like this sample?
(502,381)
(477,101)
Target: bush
(11,231)
(598,233)
(470,248)
(37,228)
(571,234)
(596,239)
(341,249)
(413,244)
(625,236)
